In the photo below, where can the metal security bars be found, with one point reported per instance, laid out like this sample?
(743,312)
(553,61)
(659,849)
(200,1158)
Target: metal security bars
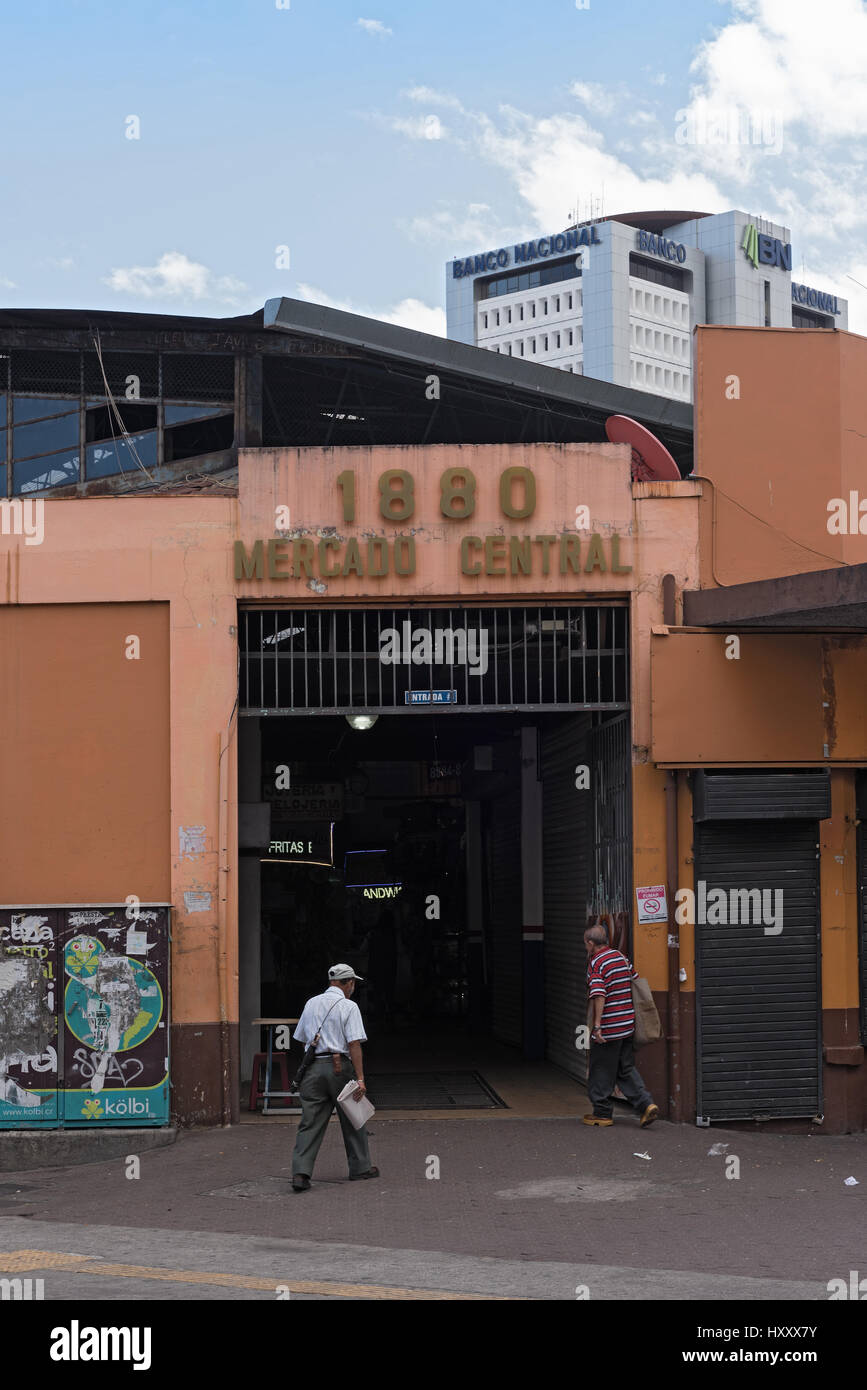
(610,749)
(330,661)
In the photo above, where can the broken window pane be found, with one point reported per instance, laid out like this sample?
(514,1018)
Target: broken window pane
(200,437)
(102,422)
(53,470)
(116,456)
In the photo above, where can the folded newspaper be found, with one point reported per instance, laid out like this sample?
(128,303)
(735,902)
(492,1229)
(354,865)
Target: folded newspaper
(357,1112)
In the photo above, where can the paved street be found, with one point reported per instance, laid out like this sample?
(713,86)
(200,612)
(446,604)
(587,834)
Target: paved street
(523,1209)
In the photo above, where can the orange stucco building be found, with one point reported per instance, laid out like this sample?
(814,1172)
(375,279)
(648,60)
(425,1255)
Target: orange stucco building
(560,719)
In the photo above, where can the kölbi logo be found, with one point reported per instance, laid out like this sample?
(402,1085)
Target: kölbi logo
(442,646)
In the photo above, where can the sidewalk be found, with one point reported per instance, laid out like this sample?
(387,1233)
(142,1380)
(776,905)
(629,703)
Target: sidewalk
(546,1191)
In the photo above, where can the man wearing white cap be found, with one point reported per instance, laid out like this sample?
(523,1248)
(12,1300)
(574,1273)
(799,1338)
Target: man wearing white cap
(333,1023)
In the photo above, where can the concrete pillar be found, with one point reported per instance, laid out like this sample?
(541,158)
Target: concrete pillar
(476,964)
(249,898)
(531,892)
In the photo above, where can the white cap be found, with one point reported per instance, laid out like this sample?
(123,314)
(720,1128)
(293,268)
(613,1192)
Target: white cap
(343,972)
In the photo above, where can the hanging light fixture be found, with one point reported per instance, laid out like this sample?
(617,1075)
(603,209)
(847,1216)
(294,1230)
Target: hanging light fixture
(361,721)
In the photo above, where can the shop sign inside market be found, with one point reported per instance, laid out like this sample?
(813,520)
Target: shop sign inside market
(297,842)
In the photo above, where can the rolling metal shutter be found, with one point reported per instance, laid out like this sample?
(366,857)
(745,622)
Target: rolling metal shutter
(507,947)
(758,1001)
(567,852)
(762,796)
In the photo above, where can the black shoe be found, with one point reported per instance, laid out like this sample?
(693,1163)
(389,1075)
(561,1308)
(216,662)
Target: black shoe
(371,1173)
(301,1183)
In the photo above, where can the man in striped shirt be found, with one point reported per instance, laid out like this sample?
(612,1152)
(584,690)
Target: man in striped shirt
(612,1055)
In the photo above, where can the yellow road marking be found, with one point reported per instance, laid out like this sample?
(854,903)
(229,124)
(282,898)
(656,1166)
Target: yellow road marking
(17,1261)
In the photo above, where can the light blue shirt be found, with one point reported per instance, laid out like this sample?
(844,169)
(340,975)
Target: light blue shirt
(342,1026)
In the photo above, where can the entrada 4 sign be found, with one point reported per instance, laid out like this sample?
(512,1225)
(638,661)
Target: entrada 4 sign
(313,556)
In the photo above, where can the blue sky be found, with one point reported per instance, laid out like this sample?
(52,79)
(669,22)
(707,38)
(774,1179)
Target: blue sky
(376,142)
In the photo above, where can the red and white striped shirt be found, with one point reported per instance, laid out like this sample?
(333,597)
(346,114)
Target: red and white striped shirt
(609,973)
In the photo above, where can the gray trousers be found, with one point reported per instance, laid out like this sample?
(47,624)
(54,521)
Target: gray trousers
(613,1064)
(319,1091)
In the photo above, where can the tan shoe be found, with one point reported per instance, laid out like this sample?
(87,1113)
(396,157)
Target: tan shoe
(650,1114)
(596,1120)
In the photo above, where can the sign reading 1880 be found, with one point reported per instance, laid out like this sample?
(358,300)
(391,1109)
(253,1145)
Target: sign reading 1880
(325,554)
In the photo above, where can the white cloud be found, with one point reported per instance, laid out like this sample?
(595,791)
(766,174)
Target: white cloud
(373,26)
(7,284)
(175,276)
(594,94)
(418,127)
(802,78)
(475,225)
(409,313)
(431,97)
(556,158)
(809,67)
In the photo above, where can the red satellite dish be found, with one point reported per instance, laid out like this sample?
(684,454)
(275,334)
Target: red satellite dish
(651,461)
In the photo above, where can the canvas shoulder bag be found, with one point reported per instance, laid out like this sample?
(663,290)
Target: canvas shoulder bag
(647,1024)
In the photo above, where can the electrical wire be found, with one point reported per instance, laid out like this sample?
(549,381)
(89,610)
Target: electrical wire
(113,409)
(701,477)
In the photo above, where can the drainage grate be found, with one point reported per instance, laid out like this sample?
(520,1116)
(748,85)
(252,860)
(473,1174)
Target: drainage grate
(434,1090)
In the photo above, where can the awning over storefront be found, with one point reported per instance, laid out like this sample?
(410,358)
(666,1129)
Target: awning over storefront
(821,601)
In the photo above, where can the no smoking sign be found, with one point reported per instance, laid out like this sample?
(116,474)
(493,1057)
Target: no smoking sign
(652,905)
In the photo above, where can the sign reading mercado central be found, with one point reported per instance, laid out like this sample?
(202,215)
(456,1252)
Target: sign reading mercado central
(527,251)
(308,553)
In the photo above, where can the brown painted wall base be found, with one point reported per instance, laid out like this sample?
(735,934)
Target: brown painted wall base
(196,1072)
(653,1060)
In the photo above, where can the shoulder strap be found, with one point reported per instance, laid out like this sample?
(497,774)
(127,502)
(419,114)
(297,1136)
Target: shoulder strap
(322,1024)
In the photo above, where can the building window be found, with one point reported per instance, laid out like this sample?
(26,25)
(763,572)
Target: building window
(533,310)
(544,306)
(767,304)
(569,337)
(508,316)
(520,313)
(556,304)
(556,340)
(497,319)
(802,318)
(568,301)
(484,320)
(529,279)
(533,346)
(670,276)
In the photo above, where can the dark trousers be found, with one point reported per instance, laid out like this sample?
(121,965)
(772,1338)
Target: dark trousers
(613,1064)
(319,1090)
